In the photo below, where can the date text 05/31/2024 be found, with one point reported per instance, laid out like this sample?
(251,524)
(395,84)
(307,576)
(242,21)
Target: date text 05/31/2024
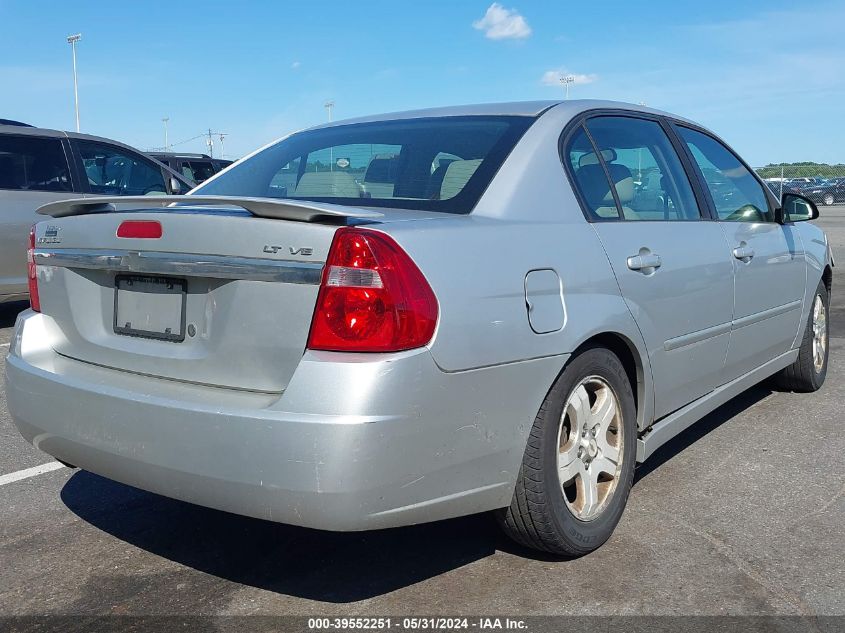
(416,624)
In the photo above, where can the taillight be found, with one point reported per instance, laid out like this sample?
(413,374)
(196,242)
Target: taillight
(373,298)
(32,278)
(144,229)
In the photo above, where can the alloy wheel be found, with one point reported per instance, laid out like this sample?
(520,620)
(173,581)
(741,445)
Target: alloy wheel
(819,333)
(590,448)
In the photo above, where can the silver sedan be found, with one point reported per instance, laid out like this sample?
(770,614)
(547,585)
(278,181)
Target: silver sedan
(415,316)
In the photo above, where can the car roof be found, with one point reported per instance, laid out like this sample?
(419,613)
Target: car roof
(49,133)
(512,108)
(14,123)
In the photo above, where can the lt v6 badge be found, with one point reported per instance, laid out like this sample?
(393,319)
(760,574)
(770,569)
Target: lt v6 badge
(302,250)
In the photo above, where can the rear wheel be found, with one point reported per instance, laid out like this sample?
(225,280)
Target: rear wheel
(808,371)
(828,199)
(579,463)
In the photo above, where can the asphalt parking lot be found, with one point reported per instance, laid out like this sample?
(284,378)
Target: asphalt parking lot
(743,514)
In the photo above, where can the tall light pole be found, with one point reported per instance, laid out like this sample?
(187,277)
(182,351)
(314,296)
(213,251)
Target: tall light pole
(72,40)
(329,105)
(166,144)
(566,80)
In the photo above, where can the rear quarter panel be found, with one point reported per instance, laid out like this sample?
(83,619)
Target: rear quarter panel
(477,268)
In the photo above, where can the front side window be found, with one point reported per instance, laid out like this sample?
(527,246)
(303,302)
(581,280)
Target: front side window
(737,194)
(646,175)
(33,164)
(113,171)
(439,164)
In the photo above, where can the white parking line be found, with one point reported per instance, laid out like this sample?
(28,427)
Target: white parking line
(29,472)
(4,345)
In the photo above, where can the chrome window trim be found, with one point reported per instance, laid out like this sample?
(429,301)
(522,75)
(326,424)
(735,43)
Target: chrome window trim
(189,265)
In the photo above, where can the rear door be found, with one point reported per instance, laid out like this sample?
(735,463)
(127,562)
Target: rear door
(768,257)
(33,171)
(671,262)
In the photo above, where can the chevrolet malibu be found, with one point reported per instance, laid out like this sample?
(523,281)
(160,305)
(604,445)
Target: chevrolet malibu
(416,316)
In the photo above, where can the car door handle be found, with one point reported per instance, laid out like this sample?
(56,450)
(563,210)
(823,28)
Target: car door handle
(645,262)
(744,252)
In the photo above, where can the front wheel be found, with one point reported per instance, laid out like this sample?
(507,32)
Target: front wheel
(828,199)
(808,371)
(578,467)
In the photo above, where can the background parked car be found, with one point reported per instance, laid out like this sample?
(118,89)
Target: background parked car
(828,193)
(39,166)
(195,167)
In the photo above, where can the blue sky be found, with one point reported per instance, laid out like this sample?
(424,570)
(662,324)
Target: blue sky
(768,76)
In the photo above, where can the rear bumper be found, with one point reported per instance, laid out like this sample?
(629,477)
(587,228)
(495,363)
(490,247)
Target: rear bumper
(355,442)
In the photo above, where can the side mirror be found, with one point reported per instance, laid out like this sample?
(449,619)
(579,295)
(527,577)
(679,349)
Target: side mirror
(797,208)
(176,187)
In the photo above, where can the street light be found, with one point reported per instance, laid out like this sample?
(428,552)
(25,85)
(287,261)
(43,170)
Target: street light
(165,120)
(566,80)
(72,40)
(329,105)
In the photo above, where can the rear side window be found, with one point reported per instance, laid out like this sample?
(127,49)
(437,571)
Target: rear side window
(646,174)
(197,170)
(33,164)
(737,194)
(438,164)
(113,171)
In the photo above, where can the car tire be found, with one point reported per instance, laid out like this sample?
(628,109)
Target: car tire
(575,516)
(828,199)
(808,371)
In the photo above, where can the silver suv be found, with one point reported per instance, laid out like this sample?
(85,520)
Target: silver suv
(39,166)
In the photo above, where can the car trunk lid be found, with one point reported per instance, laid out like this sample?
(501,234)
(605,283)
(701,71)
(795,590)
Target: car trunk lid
(220,298)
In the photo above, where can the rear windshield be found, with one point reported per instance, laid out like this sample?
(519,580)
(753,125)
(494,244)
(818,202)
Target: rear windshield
(440,164)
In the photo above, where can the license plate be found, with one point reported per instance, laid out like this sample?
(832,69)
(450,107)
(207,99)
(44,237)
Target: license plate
(150,307)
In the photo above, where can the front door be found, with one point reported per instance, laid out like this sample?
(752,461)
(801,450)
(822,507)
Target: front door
(768,257)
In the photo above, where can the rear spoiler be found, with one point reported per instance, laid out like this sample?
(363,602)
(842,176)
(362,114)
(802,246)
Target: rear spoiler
(279,209)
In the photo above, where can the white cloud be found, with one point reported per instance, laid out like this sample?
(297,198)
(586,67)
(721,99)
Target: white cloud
(553,77)
(500,23)
(295,65)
